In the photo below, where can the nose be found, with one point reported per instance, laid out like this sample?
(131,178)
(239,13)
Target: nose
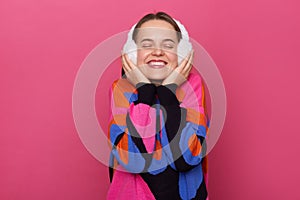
(157,51)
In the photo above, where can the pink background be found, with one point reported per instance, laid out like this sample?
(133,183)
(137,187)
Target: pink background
(43,43)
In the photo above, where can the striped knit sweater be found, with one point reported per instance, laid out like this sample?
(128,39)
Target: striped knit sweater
(157,135)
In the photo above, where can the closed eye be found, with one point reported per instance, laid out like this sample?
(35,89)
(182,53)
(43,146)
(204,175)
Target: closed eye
(168,46)
(147,45)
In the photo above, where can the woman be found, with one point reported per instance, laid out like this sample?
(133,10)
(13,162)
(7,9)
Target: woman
(158,121)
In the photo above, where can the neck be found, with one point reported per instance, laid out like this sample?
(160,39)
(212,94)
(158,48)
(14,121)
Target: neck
(156,82)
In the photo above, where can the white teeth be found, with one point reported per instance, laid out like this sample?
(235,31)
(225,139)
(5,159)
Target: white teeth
(157,63)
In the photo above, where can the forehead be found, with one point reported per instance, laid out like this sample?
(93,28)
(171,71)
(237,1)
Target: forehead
(156,29)
(156,34)
(157,24)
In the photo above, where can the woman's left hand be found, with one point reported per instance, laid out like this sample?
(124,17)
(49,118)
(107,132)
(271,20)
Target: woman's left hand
(180,73)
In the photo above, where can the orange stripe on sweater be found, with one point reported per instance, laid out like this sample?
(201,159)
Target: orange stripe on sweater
(122,148)
(158,150)
(194,145)
(196,117)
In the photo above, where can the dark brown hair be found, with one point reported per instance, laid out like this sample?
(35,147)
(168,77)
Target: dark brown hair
(156,16)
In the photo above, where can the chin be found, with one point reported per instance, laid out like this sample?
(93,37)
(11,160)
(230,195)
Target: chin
(157,78)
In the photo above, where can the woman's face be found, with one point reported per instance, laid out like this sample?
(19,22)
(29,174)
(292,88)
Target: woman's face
(157,49)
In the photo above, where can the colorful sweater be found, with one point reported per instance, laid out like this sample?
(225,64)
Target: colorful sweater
(157,133)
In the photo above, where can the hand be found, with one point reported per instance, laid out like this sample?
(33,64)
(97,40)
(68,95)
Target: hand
(180,73)
(132,72)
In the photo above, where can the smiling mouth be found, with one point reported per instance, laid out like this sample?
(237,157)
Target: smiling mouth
(157,64)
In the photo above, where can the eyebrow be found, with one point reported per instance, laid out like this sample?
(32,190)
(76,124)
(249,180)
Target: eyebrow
(146,40)
(168,40)
(151,40)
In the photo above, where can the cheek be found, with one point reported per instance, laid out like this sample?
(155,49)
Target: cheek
(173,59)
(141,56)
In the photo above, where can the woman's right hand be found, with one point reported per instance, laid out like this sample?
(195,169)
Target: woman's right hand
(132,72)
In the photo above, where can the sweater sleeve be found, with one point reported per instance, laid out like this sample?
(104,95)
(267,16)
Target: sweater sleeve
(185,122)
(132,127)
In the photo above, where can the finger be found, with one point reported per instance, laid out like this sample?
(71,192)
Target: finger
(191,57)
(124,63)
(129,62)
(187,63)
(182,65)
(189,70)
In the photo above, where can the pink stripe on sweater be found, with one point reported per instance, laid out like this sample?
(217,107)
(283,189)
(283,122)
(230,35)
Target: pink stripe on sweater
(193,91)
(128,186)
(143,118)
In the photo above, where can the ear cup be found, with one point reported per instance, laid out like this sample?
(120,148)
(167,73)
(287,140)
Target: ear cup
(183,49)
(130,49)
